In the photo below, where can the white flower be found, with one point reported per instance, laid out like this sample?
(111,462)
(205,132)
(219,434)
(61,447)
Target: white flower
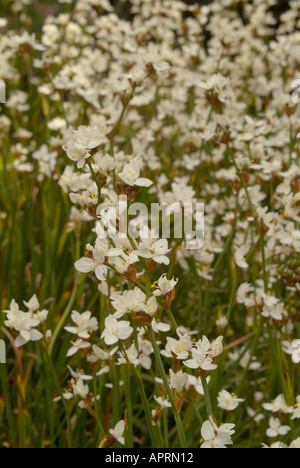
(242,295)
(76,218)
(274,311)
(133,301)
(163,403)
(151,306)
(239,257)
(84,324)
(98,254)
(204,353)
(58,123)
(131,176)
(296,351)
(81,389)
(118,432)
(178,380)
(197,383)
(33,304)
(25,323)
(77,346)
(227,401)
(79,155)
(200,361)
(219,84)
(244,361)
(155,250)
(3,22)
(275,429)
(28,334)
(161,67)
(88,137)
(131,355)
(77,386)
(79,374)
(153,59)
(164,285)
(222,322)
(104,164)
(115,330)
(296,410)
(103,245)
(84,139)
(214,436)
(160,326)
(88,265)
(98,354)
(275,445)
(296,443)
(123,263)
(216,347)
(145,351)
(180,348)
(278,405)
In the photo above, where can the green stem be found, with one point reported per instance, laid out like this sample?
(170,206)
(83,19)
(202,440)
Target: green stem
(147,411)
(97,409)
(63,318)
(96,182)
(60,392)
(172,318)
(138,377)
(162,371)
(207,398)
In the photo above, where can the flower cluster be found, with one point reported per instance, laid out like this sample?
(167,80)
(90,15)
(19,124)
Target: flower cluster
(162,339)
(25,324)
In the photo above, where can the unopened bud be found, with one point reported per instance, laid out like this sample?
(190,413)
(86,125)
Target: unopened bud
(108,442)
(48,336)
(168,299)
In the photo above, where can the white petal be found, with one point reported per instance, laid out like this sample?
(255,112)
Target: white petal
(207,431)
(35,335)
(20,341)
(84,265)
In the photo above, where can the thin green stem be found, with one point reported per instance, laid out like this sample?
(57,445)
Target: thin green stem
(161,368)
(60,392)
(207,398)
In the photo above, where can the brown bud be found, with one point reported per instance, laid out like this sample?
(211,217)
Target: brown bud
(179,401)
(124,98)
(92,211)
(131,274)
(213,99)
(143,319)
(150,69)
(108,442)
(151,265)
(168,299)
(156,415)
(95,367)
(295,185)
(128,190)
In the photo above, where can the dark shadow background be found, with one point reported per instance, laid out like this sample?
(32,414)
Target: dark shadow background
(42,8)
(278,9)
(50,5)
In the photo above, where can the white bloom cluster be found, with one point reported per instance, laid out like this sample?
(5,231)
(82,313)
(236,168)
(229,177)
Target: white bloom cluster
(183,103)
(25,324)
